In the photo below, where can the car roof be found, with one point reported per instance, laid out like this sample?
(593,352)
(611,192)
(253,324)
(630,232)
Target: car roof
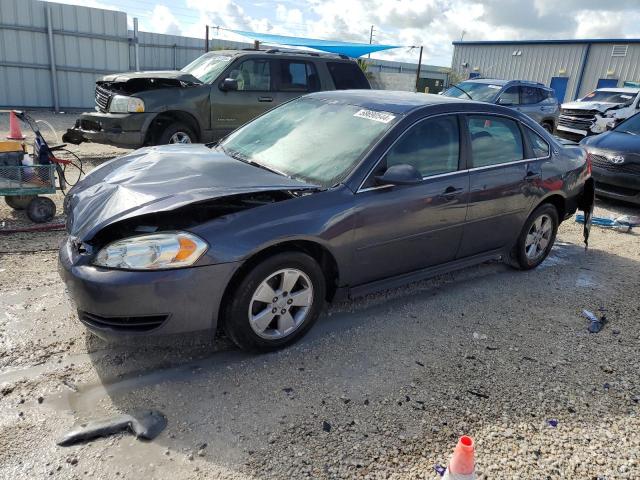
(278,52)
(619,90)
(498,81)
(388,100)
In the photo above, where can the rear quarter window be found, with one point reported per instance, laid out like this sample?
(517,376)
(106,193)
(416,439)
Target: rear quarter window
(347,76)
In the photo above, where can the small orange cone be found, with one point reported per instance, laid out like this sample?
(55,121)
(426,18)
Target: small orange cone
(462,465)
(14,128)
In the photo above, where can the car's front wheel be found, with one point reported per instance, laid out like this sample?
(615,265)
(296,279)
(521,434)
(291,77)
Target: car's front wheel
(537,237)
(177,133)
(275,303)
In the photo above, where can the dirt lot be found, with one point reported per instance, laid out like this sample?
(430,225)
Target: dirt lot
(397,377)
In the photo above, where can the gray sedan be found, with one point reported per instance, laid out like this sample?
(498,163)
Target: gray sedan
(333,195)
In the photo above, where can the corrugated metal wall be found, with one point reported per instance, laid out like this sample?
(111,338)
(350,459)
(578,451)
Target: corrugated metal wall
(541,62)
(88,42)
(161,52)
(538,63)
(601,61)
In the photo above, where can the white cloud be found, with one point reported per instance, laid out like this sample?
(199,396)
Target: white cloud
(431,23)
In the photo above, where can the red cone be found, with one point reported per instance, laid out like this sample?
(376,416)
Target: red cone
(14,128)
(462,465)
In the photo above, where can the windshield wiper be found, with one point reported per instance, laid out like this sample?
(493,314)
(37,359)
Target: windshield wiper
(243,158)
(463,91)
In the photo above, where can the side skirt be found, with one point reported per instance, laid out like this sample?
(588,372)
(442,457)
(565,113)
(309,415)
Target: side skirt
(403,279)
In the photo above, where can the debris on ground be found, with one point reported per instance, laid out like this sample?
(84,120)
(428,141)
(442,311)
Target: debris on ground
(622,224)
(595,323)
(145,425)
(552,422)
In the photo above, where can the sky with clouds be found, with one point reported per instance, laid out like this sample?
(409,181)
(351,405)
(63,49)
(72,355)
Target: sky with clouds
(432,23)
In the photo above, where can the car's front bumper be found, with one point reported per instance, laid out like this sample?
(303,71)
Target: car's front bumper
(116,304)
(617,185)
(120,129)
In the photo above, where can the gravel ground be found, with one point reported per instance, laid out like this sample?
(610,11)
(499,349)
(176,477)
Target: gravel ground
(380,388)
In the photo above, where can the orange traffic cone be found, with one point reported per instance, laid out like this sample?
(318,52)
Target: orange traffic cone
(14,127)
(462,465)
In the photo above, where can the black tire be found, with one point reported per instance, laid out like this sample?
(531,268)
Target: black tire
(19,202)
(177,128)
(548,127)
(41,210)
(235,319)
(519,253)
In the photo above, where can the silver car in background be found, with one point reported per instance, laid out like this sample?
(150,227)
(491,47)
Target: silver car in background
(531,98)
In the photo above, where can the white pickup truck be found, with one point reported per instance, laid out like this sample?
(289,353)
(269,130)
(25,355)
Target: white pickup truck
(598,111)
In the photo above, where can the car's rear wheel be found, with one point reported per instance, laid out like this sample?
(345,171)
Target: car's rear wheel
(537,237)
(177,133)
(275,303)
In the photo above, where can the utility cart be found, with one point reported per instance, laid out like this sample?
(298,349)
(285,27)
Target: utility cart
(23,177)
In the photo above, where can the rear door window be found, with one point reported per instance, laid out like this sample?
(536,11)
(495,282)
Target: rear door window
(432,146)
(531,95)
(347,75)
(297,76)
(539,146)
(494,140)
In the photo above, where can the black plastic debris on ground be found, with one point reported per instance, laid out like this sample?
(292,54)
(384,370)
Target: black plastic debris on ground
(326,426)
(146,425)
(595,323)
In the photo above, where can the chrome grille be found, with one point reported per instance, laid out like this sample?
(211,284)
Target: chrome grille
(579,119)
(600,161)
(102,98)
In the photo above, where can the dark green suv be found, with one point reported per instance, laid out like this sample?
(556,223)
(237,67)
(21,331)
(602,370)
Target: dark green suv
(207,99)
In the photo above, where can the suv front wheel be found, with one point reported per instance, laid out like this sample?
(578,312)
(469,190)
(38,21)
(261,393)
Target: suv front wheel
(177,133)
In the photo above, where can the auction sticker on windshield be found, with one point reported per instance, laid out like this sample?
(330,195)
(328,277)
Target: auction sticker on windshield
(383,117)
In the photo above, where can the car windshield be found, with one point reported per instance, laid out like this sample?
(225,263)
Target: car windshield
(608,97)
(483,92)
(630,125)
(317,141)
(207,67)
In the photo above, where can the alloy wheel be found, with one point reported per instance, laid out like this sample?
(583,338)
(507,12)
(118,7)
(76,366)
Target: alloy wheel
(180,137)
(281,304)
(538,237)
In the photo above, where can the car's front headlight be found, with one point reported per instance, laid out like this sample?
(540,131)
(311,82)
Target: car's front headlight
(156,251)
(124,104)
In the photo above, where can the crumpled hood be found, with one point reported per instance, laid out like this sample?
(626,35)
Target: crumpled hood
(599,106)
(164,178)
(169,74)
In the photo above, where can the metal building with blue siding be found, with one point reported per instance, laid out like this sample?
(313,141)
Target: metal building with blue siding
(572,67)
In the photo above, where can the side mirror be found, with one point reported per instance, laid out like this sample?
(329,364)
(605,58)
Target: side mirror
(402,174)
(229,84)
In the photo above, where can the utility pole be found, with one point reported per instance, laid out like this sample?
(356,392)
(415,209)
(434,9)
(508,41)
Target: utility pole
(419,65)
(206,39)
(370,38)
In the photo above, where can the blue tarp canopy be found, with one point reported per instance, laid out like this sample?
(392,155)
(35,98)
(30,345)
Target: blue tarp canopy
(331,46)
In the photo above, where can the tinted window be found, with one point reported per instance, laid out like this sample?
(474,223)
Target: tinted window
(539,146)
(252,75)
(432,146)
(347,75)
(298,76)
(531,95)
(494,140)
(510,96)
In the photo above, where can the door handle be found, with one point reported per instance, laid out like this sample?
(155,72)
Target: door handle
(451,192)
(265,99)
